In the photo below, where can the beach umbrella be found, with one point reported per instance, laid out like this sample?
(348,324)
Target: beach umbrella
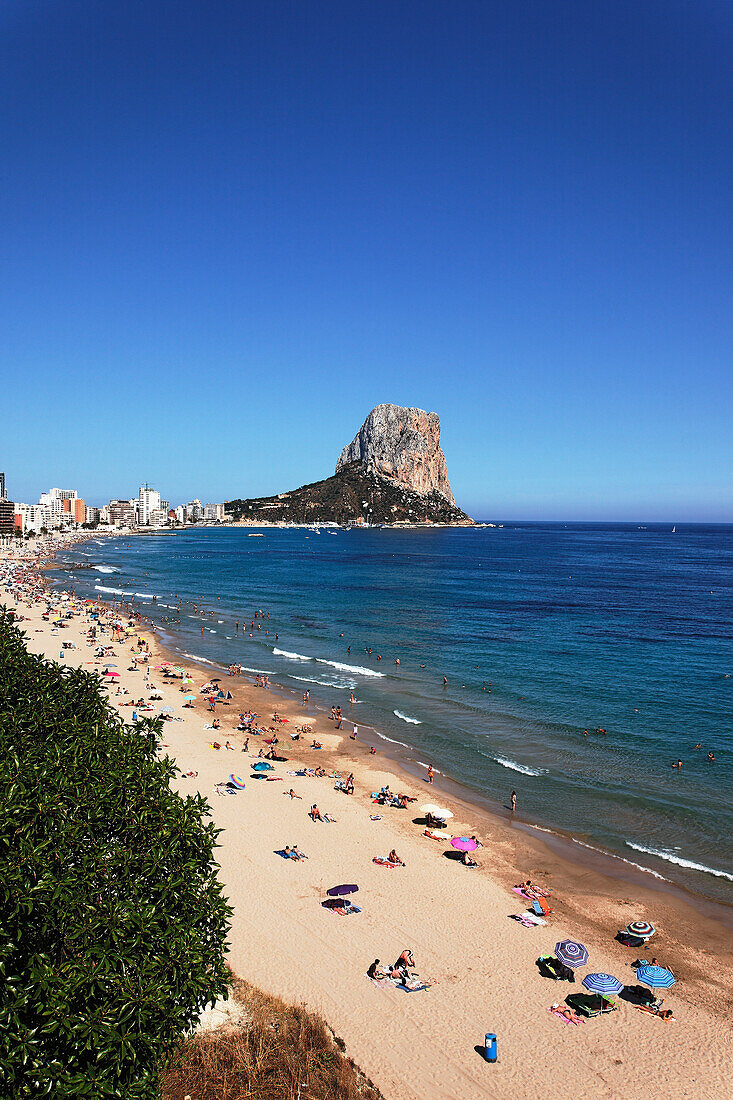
(262,766)
(220,695)
(113,675)
(464,843)
(571,953)
(166,710)
(429,808)
(341,891)
(110,666)
(602,983)
(656,977)
(443,814)
(189,698)
(237,782)
(214,680)
(641,928)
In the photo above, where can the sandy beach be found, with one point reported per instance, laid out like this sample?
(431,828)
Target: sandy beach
(478,961)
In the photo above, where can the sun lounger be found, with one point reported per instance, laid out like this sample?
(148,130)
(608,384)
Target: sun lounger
(590,1004)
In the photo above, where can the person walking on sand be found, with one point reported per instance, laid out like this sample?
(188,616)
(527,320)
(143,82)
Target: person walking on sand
(430,774)
(514,801)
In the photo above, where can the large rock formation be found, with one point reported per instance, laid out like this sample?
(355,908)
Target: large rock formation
(393,472)
(404,446)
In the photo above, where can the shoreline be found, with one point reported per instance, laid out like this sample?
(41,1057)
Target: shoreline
(571,850)
(320,959)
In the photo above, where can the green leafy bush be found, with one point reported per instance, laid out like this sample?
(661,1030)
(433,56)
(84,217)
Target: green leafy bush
(112,922)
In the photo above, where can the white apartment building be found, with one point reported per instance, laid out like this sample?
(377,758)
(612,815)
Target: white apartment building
(148,508)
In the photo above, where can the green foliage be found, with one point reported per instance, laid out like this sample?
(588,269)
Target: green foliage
(112,922)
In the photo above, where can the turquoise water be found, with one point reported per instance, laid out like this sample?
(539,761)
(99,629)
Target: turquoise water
(543,631)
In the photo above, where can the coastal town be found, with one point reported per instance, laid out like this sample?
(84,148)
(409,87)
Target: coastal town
(65,510)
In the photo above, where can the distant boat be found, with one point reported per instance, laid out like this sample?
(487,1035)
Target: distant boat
(674,528)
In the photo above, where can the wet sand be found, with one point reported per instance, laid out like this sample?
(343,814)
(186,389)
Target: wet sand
(456,920)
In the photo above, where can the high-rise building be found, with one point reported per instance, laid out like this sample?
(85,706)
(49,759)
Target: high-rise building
(7,512)
(148,506)
(122,513)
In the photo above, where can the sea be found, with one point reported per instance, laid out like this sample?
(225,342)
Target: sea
(516,645)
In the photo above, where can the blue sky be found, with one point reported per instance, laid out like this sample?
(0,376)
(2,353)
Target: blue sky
(230,229)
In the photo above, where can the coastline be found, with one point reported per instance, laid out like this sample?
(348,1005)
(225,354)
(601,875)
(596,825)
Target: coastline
(588,904)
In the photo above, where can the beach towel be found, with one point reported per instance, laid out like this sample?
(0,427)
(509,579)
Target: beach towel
(411,988)
(384,862)
(523,920)
(570,1018)
(375,817)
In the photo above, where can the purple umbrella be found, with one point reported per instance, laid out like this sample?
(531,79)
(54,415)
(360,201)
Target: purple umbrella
(340,891)
(464,843)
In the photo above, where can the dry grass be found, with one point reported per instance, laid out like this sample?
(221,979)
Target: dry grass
(281,1052)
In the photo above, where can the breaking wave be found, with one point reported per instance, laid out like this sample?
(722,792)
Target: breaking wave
(505,763)
(672,857)
(406,718)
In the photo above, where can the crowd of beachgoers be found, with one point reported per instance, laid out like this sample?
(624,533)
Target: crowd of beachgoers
(313,821)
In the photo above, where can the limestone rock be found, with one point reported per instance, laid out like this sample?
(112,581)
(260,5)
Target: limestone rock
(402,445)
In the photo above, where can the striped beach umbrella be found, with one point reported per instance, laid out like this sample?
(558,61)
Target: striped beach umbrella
(237,782)
(641,928)
(571,953)
(656,977)
(602,983)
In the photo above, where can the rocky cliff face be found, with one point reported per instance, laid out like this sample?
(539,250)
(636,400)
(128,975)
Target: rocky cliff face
(402,445)
(393,472)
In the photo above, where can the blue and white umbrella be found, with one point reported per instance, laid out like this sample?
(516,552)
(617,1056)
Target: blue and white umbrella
(571,953)
(602,983)
(656,977)
(262,766)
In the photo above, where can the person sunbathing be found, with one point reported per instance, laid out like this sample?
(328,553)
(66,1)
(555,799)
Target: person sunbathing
(394,858)
(316,745)
(467,861)
(315,813)
(297,854)
(293,795)
(405,961)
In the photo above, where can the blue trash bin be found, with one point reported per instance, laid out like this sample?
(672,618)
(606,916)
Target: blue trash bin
(490,1047)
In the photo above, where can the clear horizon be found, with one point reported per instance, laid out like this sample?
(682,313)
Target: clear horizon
(232,229)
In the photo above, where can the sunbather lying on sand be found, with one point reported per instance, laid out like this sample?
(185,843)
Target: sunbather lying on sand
(394,858)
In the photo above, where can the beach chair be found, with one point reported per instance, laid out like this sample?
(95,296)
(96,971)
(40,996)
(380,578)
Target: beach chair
(590,1004)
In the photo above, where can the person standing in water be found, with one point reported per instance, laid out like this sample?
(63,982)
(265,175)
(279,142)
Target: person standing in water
(514,801)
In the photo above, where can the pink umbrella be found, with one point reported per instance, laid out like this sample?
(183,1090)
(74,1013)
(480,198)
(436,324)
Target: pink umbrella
(464,843)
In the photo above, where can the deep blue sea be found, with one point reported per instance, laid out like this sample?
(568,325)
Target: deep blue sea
(542,630)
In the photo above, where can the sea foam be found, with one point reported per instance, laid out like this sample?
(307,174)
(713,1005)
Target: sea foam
(407,718)
(505,763)
(358,669)
(672,857)
(290,656)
